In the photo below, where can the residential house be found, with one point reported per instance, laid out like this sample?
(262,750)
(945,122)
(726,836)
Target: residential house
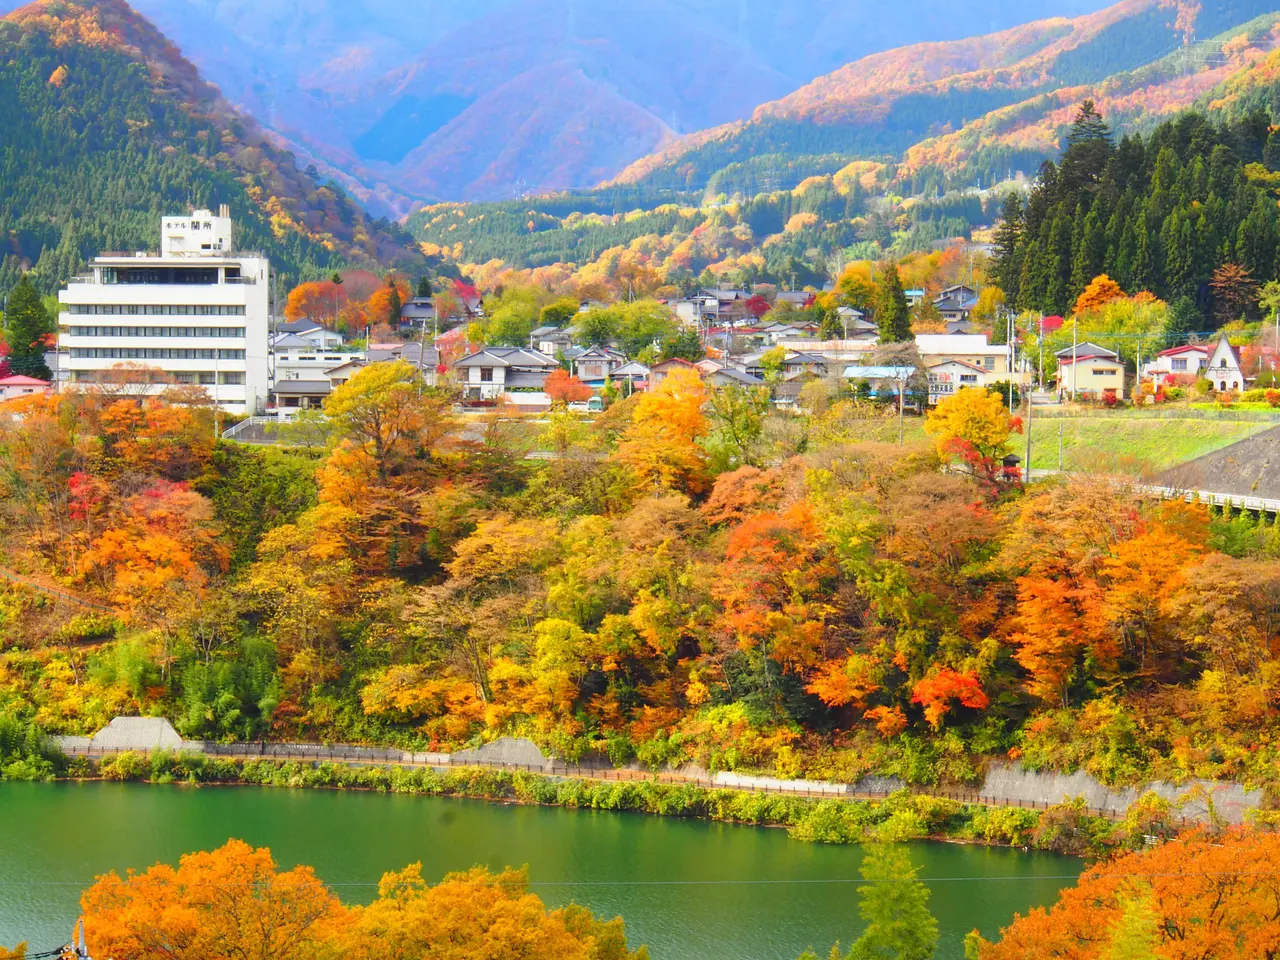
(1224,367)
(1091,371)
(418,313)
(293,395)
(294,357)
(730,376)
(551,340)
(317,335)
(730,306)
(412,352)
(1187,360)
(915,297)
(494,371)
(884,380)
(658,372)
(794,364)
(856,325)
(22,386)
(771,333)
(973,348)
(340,374)
(956,303)
(634,374)
(948,376)
(799,299)
(594,365)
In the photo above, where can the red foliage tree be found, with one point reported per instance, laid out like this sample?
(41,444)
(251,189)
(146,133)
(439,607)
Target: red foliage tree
(757,306)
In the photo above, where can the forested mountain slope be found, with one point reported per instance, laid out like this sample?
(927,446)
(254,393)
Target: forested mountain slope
(489,99)
(885,104)
(107,127)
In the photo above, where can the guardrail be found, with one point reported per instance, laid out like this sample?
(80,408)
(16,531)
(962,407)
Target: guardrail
(53,591)
(373,756)
(235,429)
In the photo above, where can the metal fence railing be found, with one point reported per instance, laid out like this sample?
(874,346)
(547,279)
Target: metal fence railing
(373,756)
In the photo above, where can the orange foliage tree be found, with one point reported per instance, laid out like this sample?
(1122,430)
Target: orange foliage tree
(941,688)
(234,903)
(564,387)
(231,902)
(1100,291)
(1197,896)
(319,301)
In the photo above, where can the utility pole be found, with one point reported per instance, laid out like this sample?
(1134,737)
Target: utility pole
(1040,377)
(1031,402)
(1075,336)
(1011,334)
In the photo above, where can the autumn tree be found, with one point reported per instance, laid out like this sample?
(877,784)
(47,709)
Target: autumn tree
(971,419)
(757,306)
(319,301)
(1203,896)
(386,303)
(563,387)
(235,903)
(476,915)
(28,329)
(231,902)
(558,312)
(662,443)
(1235,293)
(383,412)
(1100,291)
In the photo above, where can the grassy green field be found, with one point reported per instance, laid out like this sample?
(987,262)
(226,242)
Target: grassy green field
(1131,446)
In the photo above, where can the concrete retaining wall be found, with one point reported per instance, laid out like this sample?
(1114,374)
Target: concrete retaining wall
(1005,784)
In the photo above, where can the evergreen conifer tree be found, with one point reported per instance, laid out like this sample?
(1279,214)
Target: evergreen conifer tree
(893,316)
(27,327)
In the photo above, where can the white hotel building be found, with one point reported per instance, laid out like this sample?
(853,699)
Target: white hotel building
(196,312)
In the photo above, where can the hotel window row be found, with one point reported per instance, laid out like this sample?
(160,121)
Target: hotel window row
(152,353)
(160,310)
(222,332)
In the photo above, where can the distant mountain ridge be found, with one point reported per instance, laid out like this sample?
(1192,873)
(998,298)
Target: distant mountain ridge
(888,103)
(108,127)
(496,98)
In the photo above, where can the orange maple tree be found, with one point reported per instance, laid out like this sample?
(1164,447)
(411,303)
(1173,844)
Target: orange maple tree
(564,387)
(1201,895)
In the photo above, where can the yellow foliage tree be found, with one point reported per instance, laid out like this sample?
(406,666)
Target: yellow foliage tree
(971,416)
(661,444)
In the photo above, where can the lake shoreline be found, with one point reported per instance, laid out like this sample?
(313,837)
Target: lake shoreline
(898,817)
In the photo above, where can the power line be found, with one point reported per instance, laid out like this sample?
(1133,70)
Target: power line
(767,881)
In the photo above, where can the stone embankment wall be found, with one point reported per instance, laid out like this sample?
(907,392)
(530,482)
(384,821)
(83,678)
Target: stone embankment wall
(1004,784)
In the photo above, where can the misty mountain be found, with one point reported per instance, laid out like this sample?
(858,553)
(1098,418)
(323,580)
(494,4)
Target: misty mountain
(494,98)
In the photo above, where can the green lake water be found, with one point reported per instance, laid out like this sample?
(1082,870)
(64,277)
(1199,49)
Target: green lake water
(690,890)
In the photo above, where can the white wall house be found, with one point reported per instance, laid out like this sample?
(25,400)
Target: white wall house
(1224,367)
(1189,360)
(196,312)
(495,371)
(297,358)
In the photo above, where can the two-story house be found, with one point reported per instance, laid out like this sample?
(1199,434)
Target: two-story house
(498,370)
(1190,360)
(594,365)
(1089,370)
(992,358)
